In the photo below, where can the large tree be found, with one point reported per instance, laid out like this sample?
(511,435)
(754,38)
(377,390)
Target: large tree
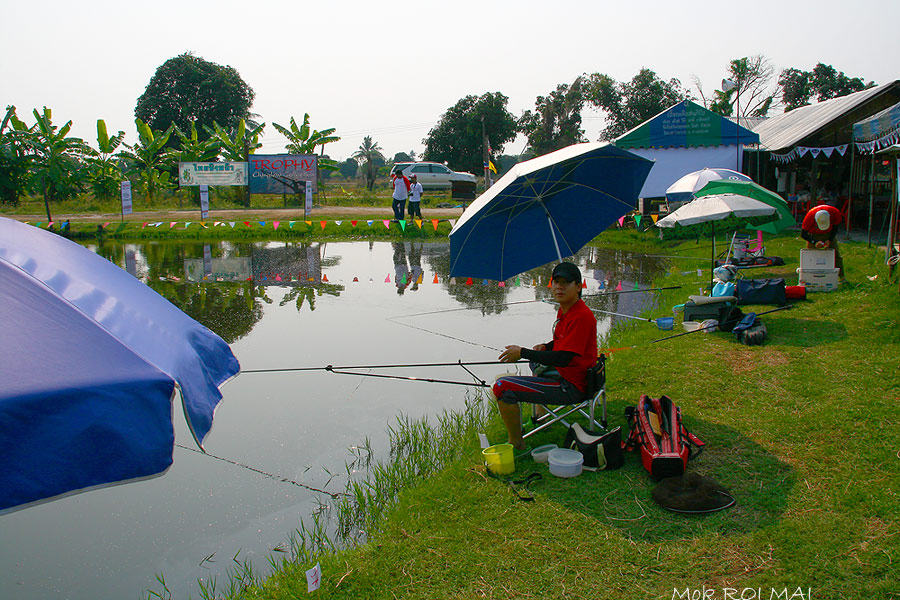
(457,138)
(824,82)
(630,103)
(556,120)
(189,89)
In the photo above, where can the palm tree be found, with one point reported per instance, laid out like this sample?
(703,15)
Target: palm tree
(150,158)
(368,151)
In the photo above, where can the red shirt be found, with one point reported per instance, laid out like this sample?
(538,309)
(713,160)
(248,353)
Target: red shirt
(576,331)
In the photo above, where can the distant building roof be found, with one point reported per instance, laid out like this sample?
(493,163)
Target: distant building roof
(686,125)
(788,129)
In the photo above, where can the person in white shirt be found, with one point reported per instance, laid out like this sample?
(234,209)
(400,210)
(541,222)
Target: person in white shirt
(415,198)
(401,191)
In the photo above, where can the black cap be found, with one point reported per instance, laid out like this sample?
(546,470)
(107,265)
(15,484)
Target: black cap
(568,271)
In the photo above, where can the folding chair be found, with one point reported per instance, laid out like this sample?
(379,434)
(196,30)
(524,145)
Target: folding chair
(596,392)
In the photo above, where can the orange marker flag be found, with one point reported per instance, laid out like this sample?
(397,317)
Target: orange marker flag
(322,223)
(583,284)
(308,223)
(324,277)
(434,223)
(435,279)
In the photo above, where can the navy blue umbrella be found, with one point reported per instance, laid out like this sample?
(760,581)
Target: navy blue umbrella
(89,362)
(545,209)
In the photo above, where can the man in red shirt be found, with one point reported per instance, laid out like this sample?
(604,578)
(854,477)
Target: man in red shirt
(819,229)
(571,353)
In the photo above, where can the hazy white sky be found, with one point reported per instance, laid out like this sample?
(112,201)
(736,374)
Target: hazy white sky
(391,69)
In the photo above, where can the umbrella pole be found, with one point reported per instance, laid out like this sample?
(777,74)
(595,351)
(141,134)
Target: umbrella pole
(552,231)
(712,263)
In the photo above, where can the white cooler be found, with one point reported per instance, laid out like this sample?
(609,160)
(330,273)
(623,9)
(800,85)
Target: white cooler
(819,280)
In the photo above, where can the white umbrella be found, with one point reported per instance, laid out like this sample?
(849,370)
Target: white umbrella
(717,207)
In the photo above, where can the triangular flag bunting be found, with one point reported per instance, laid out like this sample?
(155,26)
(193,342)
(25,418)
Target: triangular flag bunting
(637,220)
(434,223)
(324,277)
(291,224)
(171,224)
(584,284)
(388,278)
(338,223)
(468,281)
(387,223)
(247,223)
(369,223)
(403,224)
(452,222)
(51,223)
(308,223)
(231,224)
(275,224)
(621,221)
(322,223)
(186,223)
(655,217)
(435,279)
(353,223)
(419,223)
(105,225)
(619,287)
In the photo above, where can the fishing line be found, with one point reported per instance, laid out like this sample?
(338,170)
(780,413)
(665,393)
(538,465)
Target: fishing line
(789,306)
(392,320)
(334,495)
(479,383)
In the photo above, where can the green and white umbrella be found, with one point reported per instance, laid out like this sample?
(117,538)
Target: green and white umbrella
(753,190)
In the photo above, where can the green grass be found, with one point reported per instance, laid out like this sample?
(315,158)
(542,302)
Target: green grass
(802,430)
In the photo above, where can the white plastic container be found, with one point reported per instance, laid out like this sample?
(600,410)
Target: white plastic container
(819,280)
(542,453)
(565,463)
(811,260)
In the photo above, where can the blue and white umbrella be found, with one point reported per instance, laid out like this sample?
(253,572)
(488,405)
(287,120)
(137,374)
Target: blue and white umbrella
(89,362)
(545,209)
(685,188)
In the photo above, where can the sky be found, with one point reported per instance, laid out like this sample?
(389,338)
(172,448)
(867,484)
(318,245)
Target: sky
(390,70)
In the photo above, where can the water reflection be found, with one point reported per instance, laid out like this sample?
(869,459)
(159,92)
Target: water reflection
(299,305)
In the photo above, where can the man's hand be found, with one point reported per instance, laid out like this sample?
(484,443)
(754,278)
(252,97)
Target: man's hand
(511,354)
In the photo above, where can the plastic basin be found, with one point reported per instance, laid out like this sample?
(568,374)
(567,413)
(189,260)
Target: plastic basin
(565,463)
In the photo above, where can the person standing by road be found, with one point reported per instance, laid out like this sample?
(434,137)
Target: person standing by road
(415,197)
(401,191)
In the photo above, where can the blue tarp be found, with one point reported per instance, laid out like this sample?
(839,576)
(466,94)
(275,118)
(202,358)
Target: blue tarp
(878,125)
(89,358)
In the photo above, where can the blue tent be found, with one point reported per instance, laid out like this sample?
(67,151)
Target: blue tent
(89,360)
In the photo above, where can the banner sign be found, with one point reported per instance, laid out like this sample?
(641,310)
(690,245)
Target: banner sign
(212,173)
(126,197)
(204,201)
(282,173)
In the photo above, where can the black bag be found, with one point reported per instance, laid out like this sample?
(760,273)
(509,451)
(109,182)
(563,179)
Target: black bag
(761,291)
(601,451)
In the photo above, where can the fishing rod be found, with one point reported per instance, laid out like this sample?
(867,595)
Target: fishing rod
(478,383)
(332,368)
(664,323)
(789,306)
(436,312)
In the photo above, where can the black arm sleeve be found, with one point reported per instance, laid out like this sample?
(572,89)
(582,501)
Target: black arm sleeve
(551,358)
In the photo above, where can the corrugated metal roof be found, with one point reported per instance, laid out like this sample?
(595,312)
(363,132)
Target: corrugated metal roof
(787,129)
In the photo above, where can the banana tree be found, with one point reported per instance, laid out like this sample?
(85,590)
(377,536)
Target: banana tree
(193,149)
(305,140)
(150,158)
(104,171)
(58,158)
(237,146)
(15,157)
(240,142)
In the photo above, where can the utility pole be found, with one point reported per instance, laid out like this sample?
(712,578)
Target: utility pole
(484,144)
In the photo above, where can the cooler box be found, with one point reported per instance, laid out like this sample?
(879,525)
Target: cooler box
(819,280)
(813,260)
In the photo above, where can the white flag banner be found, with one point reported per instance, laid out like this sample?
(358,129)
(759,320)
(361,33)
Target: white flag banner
(313,578)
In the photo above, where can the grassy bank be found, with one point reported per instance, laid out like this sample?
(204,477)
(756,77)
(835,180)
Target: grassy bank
(802,430)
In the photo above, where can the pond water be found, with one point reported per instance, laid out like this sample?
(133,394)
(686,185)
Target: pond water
(283,306)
